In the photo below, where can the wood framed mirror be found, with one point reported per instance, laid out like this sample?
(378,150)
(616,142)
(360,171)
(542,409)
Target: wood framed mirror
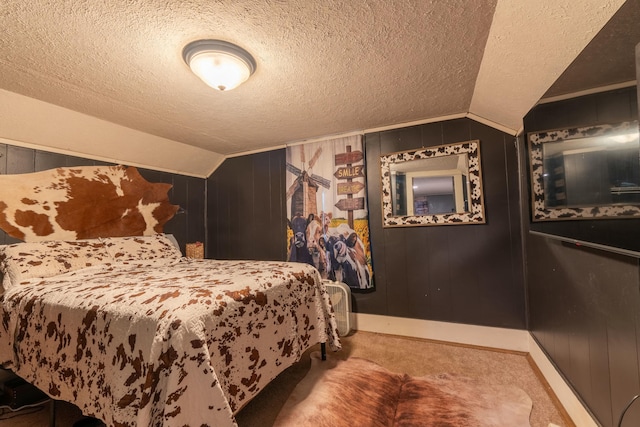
(433,186)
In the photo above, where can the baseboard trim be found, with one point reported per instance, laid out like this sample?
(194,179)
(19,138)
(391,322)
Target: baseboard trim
(482,336)
(574,407)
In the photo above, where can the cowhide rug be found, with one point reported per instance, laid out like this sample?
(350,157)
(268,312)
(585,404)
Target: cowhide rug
(358,392)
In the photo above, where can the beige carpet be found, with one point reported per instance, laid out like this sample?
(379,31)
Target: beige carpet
(358,392)
(417,357)
(414,357)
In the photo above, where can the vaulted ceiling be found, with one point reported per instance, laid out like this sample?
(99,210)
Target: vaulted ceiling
(107,79)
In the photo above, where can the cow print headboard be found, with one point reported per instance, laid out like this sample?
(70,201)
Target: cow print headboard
(82,203)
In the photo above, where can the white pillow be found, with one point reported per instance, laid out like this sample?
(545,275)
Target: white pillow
(20,262)
(145,250)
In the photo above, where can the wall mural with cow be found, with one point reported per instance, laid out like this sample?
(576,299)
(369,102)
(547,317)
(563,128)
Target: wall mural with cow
(82,202)
(327,210)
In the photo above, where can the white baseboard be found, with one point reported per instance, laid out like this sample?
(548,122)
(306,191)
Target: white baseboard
(578,413)
(483,336)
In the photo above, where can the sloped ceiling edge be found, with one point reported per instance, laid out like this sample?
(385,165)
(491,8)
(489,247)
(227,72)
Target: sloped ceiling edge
(36,124)
(518,66)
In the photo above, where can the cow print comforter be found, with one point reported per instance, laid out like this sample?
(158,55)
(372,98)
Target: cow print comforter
(182,344)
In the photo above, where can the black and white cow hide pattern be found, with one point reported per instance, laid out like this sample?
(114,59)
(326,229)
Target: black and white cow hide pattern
(540,212)
(475,215)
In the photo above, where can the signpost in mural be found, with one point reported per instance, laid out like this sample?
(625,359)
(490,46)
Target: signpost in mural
(352,204)
(349,157)
(349,172)
(349,188)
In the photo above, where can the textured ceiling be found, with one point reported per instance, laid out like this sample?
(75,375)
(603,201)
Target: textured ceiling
(608,59)
(323,68)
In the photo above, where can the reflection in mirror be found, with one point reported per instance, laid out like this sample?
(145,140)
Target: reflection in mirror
(589,172)
(431,186)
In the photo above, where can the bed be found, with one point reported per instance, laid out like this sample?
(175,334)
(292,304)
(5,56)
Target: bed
(137,335)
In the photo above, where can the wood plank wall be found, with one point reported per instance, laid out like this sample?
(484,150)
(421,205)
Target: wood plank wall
(458,273)
(584,304)
(603,108)
(470,274)
(187,192)
(246,208)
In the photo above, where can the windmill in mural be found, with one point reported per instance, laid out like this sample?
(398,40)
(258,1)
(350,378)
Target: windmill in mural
(303,191)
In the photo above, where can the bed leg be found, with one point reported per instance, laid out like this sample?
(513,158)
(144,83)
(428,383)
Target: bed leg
(52,413)
(323,350)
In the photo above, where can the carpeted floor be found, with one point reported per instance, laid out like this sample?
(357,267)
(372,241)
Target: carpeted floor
(418,357)
(414,357)
(373,396)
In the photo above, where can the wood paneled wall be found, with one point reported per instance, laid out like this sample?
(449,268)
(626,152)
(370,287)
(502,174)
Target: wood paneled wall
(603,108)
(455,273)
(246,208)
(584,304)
(585,313)
(458,273)
(187,192)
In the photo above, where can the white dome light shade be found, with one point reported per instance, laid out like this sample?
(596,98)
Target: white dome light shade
(219,64)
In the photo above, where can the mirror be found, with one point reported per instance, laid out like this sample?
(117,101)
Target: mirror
(585,173)
(432,186)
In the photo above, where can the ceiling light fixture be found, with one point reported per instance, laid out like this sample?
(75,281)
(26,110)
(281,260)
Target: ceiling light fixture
(219,64)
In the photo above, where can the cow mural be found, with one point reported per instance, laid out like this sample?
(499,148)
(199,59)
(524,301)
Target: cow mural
(298,248)
(316,247)
(337,252)
(346,256)
(81,203)
(326,201)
